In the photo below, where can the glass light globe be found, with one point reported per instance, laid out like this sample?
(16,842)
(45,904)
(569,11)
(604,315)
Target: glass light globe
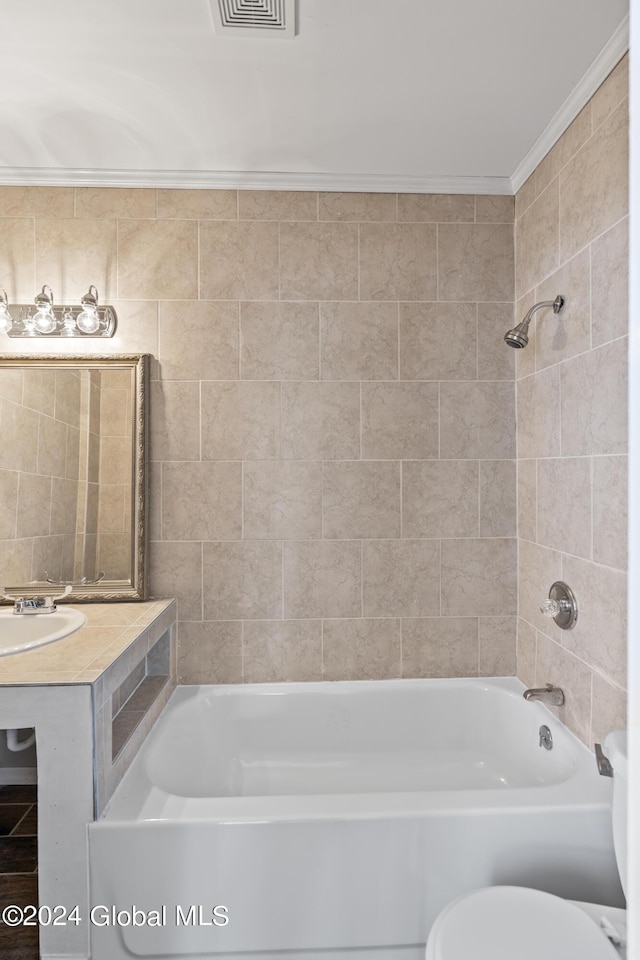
(44,320)
(88,320)
(5,318)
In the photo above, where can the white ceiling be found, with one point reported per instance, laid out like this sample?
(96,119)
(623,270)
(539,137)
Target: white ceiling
(402,94)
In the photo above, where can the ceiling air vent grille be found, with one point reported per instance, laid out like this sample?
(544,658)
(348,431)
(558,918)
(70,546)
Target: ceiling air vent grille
(254,18)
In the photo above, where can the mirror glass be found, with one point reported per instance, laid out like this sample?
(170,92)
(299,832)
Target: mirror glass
(72,476)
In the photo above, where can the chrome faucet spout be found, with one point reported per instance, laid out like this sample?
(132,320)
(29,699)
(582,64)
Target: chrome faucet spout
(554,696)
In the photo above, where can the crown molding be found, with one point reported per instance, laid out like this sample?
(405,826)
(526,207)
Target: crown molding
(232,180)
(599,70)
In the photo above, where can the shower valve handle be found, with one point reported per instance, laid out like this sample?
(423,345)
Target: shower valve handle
(551,608)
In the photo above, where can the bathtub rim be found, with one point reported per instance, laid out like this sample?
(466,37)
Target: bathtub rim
(138,800)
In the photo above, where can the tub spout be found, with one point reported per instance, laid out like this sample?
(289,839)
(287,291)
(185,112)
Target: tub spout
(547,694)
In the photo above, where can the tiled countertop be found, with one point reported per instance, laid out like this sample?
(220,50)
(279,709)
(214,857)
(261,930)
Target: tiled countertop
(84,656)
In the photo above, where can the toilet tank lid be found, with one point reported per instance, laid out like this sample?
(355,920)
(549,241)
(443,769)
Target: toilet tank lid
(614,747)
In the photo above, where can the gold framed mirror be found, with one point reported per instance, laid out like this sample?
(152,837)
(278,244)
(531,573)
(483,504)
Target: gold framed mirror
(73,476)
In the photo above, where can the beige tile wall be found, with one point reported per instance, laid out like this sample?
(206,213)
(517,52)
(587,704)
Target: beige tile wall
(571,238)
(332,416)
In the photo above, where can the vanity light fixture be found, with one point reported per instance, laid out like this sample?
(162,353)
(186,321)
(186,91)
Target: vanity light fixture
(88,319)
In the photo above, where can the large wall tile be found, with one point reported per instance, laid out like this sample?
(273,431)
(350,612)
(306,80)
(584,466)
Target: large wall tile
(594,186)
(609,708)
(537,249)
(610,511)
(436,208)
(360,500)
(497,653)
(115,203)
(282,500)
(492,209)
(526,647)
(174,420)
(357,206)
(594,401)
(498,498)
(440,647)
(577,133)
(361,649)
(198,340)
(399,420)
(279,341)
(51,439)
(477,420)
(238,261)
(564,505)
(210,652)
(359,341)
(53,202)
(34,506)
(279,650)
(15,561)
(478,578)
(555,665)
(318,261)
(527,500)
(440,498)
(320,421)
(71,254)
(610,93)
(175,570)
(538,404)
(242,580)
(475,261)
(538,568)
(600,634)
(277,205)
(17,261)
(198,204)
(496,361)
(398,261)
(23,446)
(201,501)
(12,386)
(157,259)
(610,284)
(240,420)
(525,359)
(526,195)
(137,330)
(9,504)
(568,333)
(401,578)
(438,341)
(322,579)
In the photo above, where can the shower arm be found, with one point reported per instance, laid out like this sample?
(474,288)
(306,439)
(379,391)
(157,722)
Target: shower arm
(557,305)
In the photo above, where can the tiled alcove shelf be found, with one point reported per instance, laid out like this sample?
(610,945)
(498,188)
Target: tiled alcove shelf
(128,698)
(131,701)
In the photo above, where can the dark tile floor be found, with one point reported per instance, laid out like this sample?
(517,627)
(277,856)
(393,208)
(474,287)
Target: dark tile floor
(18,867)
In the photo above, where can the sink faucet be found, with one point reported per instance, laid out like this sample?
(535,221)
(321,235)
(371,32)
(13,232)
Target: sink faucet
(547,694)
(23,606)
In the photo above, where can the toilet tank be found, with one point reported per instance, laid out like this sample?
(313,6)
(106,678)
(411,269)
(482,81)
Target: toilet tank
(614,747)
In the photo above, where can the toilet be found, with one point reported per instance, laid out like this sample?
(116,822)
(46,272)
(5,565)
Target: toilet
(500,923)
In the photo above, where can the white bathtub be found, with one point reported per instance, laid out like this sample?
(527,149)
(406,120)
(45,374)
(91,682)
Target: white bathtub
(335,820)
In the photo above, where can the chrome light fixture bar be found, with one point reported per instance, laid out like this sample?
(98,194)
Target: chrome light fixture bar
(44,318)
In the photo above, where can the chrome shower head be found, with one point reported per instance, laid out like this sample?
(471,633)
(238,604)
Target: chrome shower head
(519,336)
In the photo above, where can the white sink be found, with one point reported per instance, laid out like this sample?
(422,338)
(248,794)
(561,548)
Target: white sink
(20,632)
